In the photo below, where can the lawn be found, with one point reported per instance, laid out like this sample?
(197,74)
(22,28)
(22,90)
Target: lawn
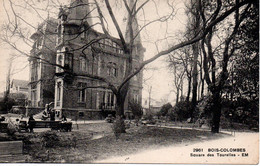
(91,142)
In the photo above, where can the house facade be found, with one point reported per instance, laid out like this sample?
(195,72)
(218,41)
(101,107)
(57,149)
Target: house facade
(42,64)
(60,72)
(78,57)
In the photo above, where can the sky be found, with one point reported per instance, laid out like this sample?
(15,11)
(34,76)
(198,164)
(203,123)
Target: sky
(158,77)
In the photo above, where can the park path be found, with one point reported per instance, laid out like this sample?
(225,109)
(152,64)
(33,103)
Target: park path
(246,142)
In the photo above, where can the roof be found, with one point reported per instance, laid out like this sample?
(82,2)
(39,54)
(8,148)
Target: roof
(21,83)
(50,22)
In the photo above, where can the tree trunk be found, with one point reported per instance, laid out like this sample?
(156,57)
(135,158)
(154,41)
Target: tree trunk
(119,125)
(177,96)
(195,50)
(216,110)
(188,92)
(202,89)
(194,79)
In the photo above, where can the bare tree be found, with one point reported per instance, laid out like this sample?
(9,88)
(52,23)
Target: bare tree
(178,70)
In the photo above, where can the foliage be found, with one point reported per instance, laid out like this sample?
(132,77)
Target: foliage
(165,108)
(242,111)
(136,109)
(182,110)
(148,117)
(51,139)
(244,78)
(6,104)
(19,98)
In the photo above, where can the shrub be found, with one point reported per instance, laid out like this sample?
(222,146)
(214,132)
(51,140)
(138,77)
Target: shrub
(182,110)
(148,117)
(50,139)
(136,109)
(164,110)
(6,104)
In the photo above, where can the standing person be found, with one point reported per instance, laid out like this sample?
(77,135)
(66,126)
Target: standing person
(31,123)
(52,115)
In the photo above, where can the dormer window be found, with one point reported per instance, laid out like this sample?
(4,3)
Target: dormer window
(112,69)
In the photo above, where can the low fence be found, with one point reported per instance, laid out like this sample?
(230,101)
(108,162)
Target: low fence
(27,111)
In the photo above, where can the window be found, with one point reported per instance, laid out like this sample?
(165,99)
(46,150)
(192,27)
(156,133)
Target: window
(33,97)
(58,94)
(68,61)
(82,92)
(83,64)
(135,78)
(60,63)
(83,34)
(110,99)
(34,74)
(136,96)
(112,69)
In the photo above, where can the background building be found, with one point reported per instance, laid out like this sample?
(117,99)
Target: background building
(19,86)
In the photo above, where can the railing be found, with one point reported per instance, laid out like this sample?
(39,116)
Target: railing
(107,106)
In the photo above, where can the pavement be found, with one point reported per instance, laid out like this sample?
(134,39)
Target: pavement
(87,121)
(241,148)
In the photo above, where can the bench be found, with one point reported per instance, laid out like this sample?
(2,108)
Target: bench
(54,125)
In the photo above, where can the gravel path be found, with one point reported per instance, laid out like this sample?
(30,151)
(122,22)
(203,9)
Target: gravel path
(243,148)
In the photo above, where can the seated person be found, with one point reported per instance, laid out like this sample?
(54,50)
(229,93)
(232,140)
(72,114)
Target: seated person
(45,112)
(63,118)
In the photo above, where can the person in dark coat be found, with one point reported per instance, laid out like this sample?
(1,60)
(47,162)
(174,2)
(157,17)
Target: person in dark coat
(52,115)
(31,123)
(63,118)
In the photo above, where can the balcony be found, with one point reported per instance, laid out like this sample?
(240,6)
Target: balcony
(107,106)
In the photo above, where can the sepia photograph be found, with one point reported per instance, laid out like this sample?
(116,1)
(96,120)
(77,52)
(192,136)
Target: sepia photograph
(129,82)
